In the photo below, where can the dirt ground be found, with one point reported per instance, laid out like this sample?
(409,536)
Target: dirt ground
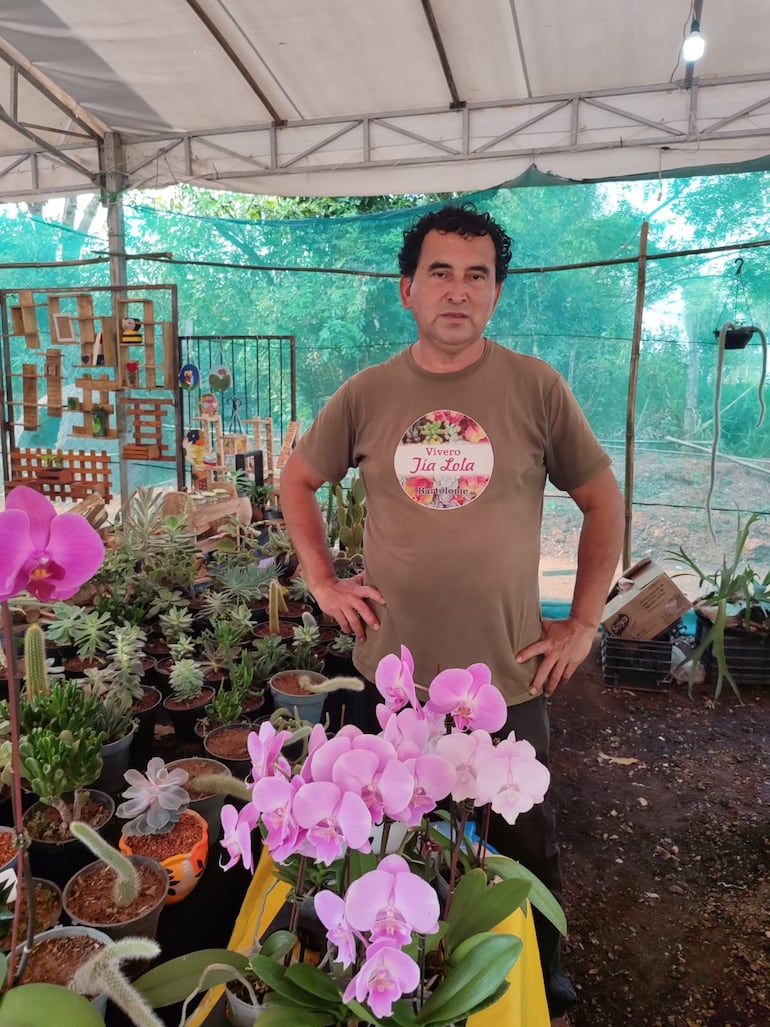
(664,820)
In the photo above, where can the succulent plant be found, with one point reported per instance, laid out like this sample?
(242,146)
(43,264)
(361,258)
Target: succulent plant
(270,656)
(175,622)
(307,633)
(186,679)
(155,800)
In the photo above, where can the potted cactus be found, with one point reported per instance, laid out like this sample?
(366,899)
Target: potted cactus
(118,894)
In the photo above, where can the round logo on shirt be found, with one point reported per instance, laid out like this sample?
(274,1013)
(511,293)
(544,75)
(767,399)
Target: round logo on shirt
(444,460)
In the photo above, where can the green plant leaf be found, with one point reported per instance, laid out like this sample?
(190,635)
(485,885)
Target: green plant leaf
(315,982)
(174,980)
(539,896)
(278,944)
(276,1016)
(31,1005)
(481,906)
(275,976)
(473,980)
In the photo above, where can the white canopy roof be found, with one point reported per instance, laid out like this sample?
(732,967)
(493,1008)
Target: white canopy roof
(342,97)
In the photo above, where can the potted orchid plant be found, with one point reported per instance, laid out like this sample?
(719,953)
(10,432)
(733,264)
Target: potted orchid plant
(376,833)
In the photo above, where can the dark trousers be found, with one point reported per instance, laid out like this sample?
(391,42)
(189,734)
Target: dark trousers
(531,840)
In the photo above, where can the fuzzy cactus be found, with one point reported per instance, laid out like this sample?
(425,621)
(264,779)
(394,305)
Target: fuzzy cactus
(126,886)
(102,974)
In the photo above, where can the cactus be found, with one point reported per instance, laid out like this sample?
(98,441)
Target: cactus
(351,514)
(126,886)
(102,973)
(36,671)
(277,605)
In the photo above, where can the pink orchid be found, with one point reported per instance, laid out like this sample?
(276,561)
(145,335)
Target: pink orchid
(236,835)
(50,555)
(331,912)
(391,902)
(409,732)
(319,765)
(464,752)
(387,974)
(469,697)
(395,681)
(433,780)
(512,779)
(332,819)
(384,785)
(265,752)
(273,797)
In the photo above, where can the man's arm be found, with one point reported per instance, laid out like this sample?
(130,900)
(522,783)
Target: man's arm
(344,599)
(564,644)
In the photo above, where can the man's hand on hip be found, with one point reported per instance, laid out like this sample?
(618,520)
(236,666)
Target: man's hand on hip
(563,644)
(345,599)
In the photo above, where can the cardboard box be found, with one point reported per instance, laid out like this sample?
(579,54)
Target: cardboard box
(643,603)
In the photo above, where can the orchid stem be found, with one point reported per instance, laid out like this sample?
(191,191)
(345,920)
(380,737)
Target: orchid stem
(16,800)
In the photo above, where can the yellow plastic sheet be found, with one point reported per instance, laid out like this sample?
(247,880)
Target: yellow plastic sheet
(523,1005)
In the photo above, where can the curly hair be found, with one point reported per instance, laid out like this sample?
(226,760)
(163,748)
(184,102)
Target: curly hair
(462,219)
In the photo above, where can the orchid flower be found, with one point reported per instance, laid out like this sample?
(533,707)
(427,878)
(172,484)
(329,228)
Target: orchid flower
(391,902)
(511,778)
(272,798)
(433,780)
(465,752)
(236,835)
(333,821)
(387,974)
(385,788)
(395,681)
(265,752)
(47,554)
(469,697)
(330,909)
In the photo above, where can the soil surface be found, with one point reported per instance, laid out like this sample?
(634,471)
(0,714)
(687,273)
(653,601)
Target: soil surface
(663,806)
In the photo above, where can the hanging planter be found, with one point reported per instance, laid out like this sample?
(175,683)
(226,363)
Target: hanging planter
(736,337)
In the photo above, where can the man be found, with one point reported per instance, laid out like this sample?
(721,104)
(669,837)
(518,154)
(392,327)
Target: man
(453,439)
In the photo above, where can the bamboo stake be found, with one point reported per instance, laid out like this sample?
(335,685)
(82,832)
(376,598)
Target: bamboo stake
(722,456)
(633,378)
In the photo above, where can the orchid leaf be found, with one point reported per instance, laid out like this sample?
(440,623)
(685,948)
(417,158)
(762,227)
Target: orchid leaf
(276,977)
(178,978)
(315,982)
(276,1016)
(481,908)
(471,981)
(539,896)
(278,944)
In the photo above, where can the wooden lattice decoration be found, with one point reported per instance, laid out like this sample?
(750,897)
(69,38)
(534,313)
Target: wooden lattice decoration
(61,475)
(289,442)
(262,433)
(144,420)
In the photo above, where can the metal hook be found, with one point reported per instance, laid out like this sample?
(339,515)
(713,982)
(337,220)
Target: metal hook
(739,268)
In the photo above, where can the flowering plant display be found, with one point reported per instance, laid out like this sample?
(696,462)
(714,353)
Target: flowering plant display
(377,829)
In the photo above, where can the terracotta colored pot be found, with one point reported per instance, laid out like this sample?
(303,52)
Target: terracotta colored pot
(184,868)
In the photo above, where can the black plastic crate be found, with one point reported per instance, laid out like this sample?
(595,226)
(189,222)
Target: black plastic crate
(632,663)
(747,654)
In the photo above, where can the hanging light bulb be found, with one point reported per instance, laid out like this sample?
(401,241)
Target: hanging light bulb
(694,46)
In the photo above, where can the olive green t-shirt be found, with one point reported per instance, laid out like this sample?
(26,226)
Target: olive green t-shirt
(454,467)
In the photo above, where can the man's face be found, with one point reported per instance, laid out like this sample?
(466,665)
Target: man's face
(453,293)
